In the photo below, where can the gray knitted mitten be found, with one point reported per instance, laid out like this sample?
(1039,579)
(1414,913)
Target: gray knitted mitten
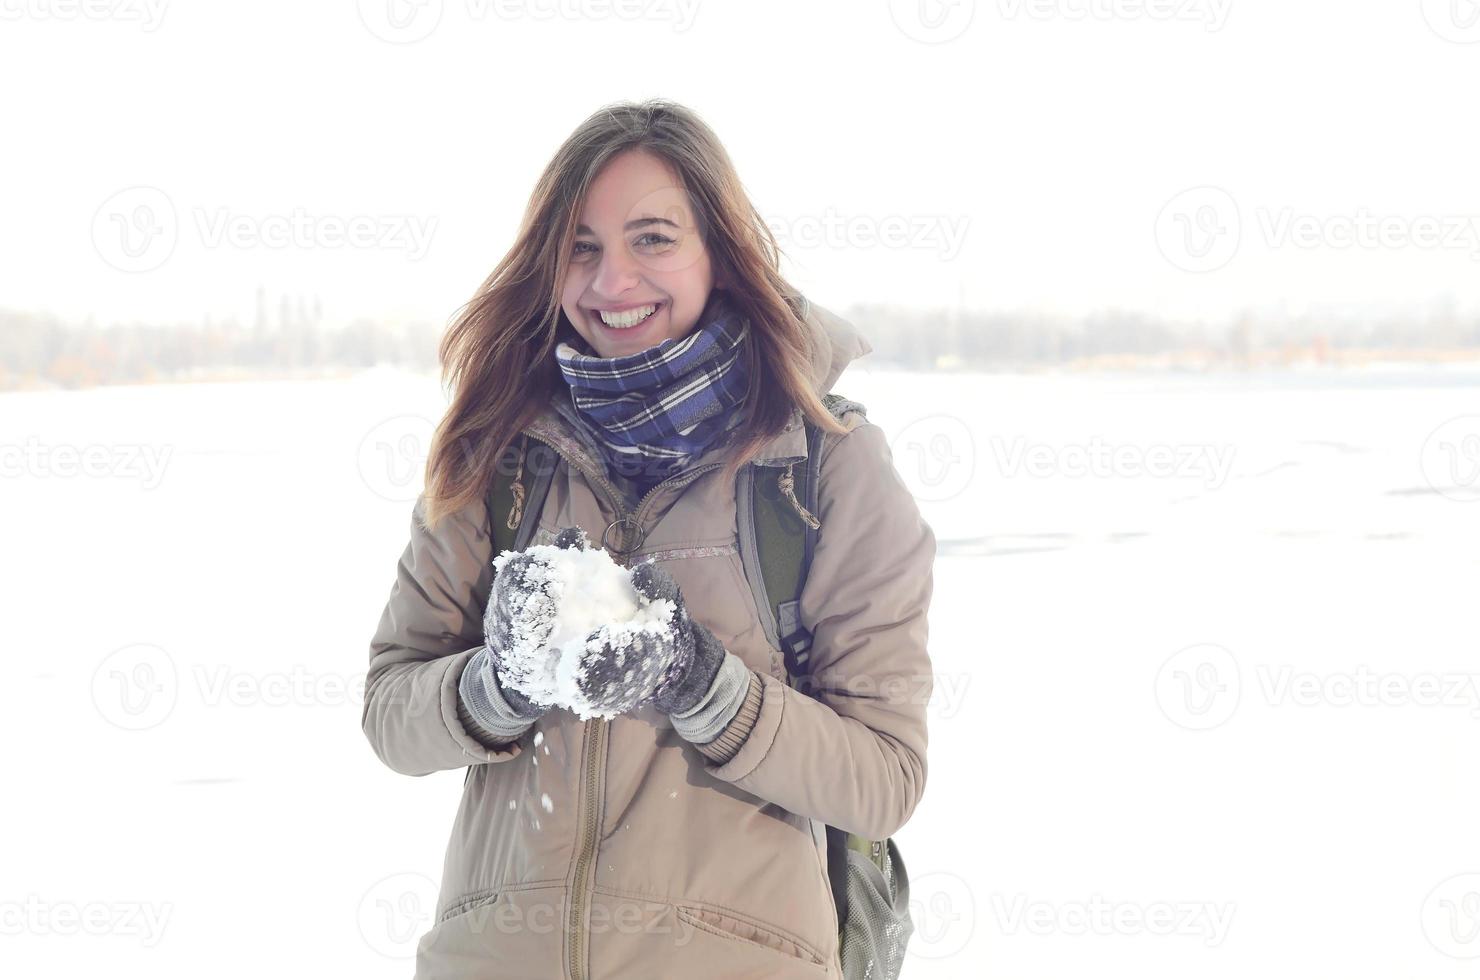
(515,604)
(673,669)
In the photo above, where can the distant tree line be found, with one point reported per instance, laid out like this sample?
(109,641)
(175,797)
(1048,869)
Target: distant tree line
(40,350)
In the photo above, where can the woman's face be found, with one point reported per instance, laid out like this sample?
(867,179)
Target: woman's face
(636,247)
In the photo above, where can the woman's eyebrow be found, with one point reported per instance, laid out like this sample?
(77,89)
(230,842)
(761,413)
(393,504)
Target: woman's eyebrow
(635,223)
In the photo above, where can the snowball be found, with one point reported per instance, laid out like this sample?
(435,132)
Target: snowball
(587,592)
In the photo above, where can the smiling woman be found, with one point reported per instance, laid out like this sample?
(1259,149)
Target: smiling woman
(639,329)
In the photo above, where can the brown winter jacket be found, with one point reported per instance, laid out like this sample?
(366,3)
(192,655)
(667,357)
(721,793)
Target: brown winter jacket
(614,848)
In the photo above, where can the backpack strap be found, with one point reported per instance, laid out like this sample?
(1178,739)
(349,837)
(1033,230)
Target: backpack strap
(777,541)
(516,494)
(793,638)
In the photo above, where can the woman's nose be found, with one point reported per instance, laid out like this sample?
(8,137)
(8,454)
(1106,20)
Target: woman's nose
(616,274)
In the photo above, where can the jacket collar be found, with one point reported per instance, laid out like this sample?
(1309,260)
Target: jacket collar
(835,343)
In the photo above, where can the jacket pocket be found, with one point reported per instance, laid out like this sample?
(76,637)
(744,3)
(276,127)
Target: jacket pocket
(468,903)
(728,926)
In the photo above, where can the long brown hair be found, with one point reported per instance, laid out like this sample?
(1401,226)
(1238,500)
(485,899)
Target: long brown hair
(498,355)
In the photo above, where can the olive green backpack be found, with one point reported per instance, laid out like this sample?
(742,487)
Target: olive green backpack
(869,883)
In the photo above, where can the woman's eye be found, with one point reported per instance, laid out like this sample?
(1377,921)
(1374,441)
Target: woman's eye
(648,240)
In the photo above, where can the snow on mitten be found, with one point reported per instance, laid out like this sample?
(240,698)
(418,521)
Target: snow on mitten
(673,668)
(522,610)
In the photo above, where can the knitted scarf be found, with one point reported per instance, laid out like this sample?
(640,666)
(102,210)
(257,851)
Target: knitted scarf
(655,410)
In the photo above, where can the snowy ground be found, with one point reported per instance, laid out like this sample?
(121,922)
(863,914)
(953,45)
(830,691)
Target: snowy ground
(1211,713)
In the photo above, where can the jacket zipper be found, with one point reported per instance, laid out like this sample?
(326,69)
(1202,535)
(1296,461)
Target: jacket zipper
(596,727)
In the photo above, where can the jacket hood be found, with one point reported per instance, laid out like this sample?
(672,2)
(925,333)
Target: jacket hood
(835,343)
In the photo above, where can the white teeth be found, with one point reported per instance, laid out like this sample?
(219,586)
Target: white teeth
(628,318)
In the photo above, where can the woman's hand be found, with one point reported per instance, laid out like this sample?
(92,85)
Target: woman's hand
(522,611)
(673,667)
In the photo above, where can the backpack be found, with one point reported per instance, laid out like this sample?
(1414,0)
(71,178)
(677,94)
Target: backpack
(869,883)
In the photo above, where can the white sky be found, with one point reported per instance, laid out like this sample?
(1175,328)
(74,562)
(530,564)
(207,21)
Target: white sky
(1048,134)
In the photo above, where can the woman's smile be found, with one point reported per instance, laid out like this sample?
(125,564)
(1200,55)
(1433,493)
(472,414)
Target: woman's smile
(628,323)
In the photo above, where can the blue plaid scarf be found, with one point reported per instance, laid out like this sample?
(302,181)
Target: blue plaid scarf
(655,410)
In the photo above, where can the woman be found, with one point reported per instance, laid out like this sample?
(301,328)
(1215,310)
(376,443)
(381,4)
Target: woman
(640,327)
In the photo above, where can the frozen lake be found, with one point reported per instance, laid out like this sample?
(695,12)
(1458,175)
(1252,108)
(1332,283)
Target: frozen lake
(1206,655)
